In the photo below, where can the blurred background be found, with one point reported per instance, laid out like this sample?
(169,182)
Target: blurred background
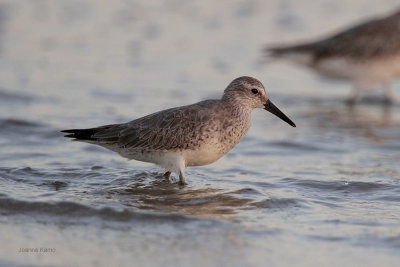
(324,193)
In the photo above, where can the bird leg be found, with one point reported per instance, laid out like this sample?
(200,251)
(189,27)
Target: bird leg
(387,91)
(182,178)
(167,175)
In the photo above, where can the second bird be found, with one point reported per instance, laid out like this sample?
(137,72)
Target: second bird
(368,54)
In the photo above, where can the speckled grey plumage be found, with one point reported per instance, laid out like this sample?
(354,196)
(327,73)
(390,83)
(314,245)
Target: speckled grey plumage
(192,135)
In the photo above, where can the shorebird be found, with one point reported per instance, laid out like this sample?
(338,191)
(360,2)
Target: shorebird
(192,135)
(367,54)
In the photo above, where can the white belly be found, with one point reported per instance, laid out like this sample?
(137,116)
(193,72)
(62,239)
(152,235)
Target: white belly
(168,160)
(205,154)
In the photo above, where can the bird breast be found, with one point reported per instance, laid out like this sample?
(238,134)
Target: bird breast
(217,142)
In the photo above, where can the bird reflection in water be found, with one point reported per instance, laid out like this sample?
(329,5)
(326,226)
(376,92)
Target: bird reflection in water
(160,195)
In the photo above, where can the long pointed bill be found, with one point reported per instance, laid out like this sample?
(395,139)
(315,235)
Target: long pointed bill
(274,110)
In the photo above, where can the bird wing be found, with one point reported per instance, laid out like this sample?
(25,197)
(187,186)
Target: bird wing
(175,128)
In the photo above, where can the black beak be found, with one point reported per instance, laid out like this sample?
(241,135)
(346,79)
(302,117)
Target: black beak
(274,110)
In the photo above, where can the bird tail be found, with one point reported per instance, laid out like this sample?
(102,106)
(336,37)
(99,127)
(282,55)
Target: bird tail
(279,51)
(300,54)
(91,134)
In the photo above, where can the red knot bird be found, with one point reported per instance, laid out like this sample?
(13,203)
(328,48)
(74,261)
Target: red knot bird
(367,54)
(192,135)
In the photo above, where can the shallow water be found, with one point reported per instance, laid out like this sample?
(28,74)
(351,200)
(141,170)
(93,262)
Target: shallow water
(322,194)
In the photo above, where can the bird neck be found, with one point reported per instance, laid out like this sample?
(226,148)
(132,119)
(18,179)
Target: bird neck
(237,104)
(237,108)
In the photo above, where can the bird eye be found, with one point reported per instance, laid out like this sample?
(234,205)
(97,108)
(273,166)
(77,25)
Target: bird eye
(254,91)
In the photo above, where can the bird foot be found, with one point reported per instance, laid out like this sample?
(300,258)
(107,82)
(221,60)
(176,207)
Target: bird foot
(182,183)
(167,175)
(351,101)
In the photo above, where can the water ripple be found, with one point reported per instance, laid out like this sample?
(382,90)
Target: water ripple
(65,209)
(349,186)
(279,203)
(13,97)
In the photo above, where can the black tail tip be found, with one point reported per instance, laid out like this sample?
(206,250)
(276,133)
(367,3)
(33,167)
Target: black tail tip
(71,132)
(80,134)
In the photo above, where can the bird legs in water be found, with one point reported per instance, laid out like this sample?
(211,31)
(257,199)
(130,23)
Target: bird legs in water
(181,177)
(357,88)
